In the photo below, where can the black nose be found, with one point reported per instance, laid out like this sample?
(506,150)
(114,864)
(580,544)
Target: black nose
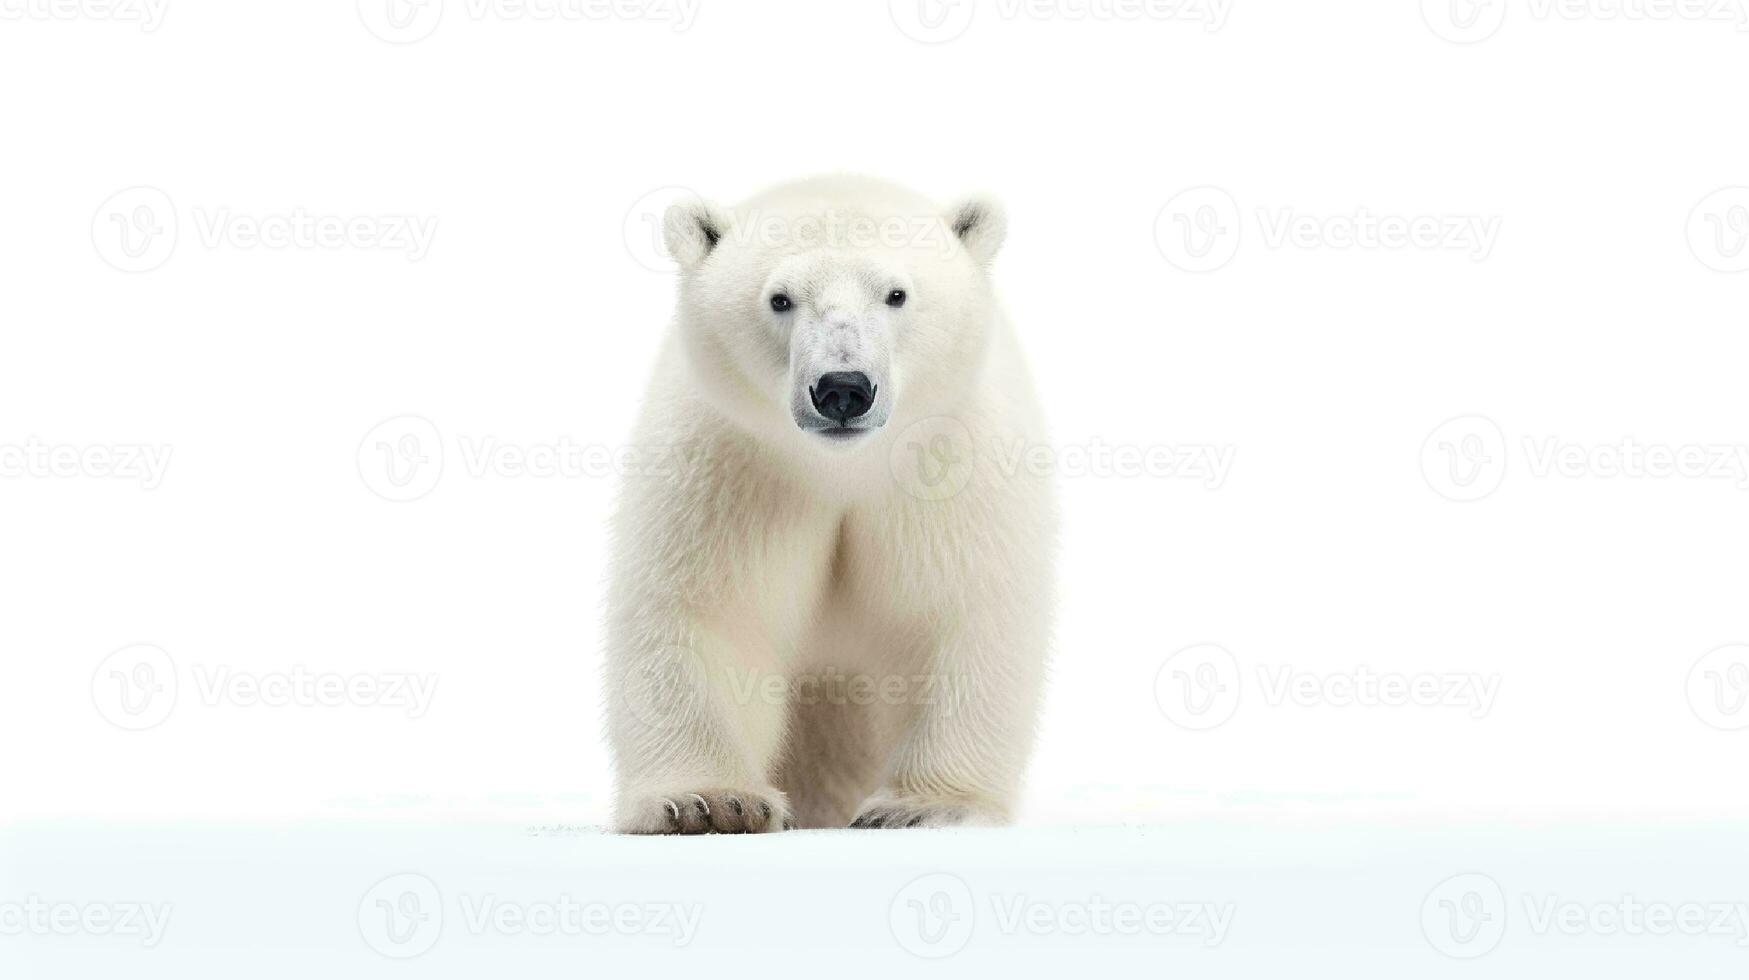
(842,395)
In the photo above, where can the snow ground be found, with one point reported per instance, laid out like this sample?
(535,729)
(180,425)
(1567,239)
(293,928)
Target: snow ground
(1201,899)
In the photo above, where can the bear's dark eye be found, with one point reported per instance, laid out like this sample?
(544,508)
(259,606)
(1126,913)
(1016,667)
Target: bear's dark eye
(780,303)
(896,298)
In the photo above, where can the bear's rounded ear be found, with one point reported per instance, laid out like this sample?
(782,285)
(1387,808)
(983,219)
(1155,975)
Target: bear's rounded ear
(980,224)
(691,228)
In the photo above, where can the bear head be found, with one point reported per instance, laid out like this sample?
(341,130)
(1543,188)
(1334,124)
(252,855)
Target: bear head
(824,311)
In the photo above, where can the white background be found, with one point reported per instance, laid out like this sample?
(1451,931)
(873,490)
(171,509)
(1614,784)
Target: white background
(1605,310)
(537,149)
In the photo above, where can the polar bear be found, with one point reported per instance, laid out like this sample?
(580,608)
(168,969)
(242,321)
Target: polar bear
(830,601)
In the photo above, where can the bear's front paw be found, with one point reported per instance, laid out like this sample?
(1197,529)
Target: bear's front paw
(897,813)
(708,811)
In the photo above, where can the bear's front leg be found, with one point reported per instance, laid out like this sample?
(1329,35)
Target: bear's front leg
(693,737)
(963,759)
(969,590)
